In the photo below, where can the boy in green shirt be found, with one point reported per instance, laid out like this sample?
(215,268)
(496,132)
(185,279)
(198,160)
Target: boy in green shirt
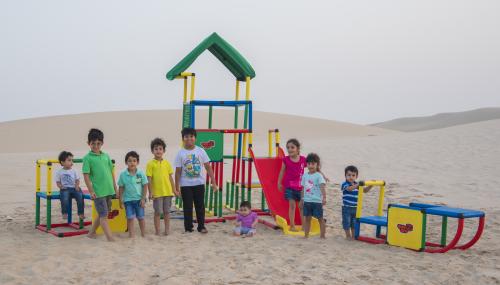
(98,175)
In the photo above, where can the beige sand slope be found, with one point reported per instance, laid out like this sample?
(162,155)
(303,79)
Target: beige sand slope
(438,121)
(134,129)
(457,166)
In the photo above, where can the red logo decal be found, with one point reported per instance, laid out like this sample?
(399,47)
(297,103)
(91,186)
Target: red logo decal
(405,228)
(113,214)
(208,145)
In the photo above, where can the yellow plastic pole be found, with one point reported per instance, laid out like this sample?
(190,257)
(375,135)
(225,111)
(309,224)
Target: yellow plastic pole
(192,87)
(374,183)
(278,139)
(185,90)
(270,141)
(359,209)
(185,74)
(244,154)
(38,180)
(381,200)
(247,85)
(49,178)
(237,97)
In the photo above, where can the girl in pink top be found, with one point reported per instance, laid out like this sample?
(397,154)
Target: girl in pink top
(290,178)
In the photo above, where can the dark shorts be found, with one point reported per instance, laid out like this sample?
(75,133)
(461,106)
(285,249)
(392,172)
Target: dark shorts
(102,205)
(313,209)
(134,210)
(348,217)
(291,194)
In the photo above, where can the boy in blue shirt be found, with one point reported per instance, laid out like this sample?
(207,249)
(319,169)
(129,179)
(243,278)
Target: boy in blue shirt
(313,194)
(350,200)
(133,188)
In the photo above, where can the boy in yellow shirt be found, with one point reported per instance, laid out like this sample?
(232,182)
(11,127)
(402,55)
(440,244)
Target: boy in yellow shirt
(161,184)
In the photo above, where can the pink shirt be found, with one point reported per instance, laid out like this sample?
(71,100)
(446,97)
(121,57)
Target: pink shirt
(293,173)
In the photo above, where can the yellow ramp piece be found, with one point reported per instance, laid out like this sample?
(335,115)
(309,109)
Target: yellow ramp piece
(283,224)
(405,228)
(117,219)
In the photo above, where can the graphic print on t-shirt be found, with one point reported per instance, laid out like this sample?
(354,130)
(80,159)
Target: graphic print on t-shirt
(67,179)
(309,185)
(192,166)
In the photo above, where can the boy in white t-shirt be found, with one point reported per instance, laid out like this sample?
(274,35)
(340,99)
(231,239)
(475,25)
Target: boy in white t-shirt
(68,182)
(189,177)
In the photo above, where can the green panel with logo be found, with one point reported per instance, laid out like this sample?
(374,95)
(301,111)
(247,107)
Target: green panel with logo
(212,142)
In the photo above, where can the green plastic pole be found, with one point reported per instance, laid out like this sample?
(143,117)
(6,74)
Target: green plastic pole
(263,200)
(49,211)
(210,110)
(249,195)
(242,192)
(81,225)
(231,203)
(207,187)
(444,228)
(245,118)
(210,199)
(37,211)
(237,197)
(424,230)
(227,193)
(215,206)
(220,202)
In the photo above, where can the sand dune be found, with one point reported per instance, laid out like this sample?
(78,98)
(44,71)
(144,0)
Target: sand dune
(456,166)
(134,129)
(438,121)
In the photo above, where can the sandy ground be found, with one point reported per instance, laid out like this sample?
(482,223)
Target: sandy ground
(456,166)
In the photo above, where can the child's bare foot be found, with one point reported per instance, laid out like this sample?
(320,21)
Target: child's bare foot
(82,217)
(249,235)
(111,239)
(166,233)
(65,216)
(143,235)
(92,235)
(293,229)
(157,233)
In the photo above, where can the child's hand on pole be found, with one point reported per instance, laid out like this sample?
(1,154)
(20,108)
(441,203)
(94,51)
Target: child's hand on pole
(214,187)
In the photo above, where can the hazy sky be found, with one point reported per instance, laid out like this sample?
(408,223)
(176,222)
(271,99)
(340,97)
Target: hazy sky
(355,61)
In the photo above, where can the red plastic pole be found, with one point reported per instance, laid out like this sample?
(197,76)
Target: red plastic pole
(476,237)
(453,243)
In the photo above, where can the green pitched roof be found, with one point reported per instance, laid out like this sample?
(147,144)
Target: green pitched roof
(223,51)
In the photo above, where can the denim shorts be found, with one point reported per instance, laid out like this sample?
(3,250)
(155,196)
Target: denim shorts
(313,209)
(244,230)
(291,194)
(133,209)
(348,217)
(103,205)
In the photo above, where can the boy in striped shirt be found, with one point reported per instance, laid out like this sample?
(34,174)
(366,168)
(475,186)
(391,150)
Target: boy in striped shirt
(350,200)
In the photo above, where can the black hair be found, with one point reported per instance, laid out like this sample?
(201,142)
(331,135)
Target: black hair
(295,142)
(352,169)
(95,135)
(312,157)
(158,142)
(131,154)
(188,131)
(64,155)
(246,204)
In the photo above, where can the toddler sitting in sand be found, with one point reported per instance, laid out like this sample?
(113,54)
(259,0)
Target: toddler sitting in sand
(246,221)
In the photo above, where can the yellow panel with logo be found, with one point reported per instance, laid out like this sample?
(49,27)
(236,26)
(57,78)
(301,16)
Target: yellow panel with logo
(405,227)
(117,219)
